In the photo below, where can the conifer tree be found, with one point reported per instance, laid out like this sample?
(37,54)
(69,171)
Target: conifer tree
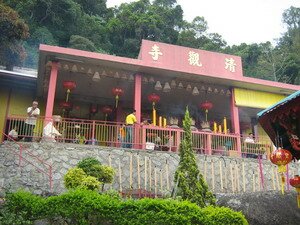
(190,183)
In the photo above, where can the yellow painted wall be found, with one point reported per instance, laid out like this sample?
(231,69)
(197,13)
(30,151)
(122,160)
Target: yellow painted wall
(255,99)
(4,93)
(262,134)
(20,100)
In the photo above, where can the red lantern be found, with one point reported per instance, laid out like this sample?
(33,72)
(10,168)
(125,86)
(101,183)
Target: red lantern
(93,109)
(66,105)
(281,158)
(117,92)
(295,182)
(69,85)
(106,110)
(154,98)
(206,106)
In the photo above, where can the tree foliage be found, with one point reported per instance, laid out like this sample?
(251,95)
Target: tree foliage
(279,62)
(191,184)
(90,25)
(13,31)
(81,43)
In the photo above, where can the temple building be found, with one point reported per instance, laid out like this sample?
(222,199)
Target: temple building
(90,94)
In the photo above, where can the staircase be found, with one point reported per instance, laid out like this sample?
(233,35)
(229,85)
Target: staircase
(27,167)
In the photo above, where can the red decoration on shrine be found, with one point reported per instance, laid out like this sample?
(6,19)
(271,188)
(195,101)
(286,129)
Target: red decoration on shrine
(69,85)
(295,182)
(117,92)
(93,109)
(106,110)
(206,106)
(66,105)
(154,98)
(281,158)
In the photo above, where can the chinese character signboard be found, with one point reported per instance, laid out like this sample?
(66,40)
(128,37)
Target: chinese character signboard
(189,60)
(155,52)
(194,59)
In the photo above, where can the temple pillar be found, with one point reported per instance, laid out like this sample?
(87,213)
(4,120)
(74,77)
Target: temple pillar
(235,121)
(51,91)
(137,107)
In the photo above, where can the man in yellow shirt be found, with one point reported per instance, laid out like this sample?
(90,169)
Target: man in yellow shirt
(130,121)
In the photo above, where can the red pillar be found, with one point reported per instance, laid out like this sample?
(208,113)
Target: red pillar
(138,96)
(235,120)
(137,107)
(51,91)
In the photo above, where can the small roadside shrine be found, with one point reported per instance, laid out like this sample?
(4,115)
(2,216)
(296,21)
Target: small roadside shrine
(282,123)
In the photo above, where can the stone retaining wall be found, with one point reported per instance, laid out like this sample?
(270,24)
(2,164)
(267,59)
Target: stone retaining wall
(223,174)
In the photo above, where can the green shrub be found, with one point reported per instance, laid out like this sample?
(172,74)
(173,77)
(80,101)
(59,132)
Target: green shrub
(93,167)
(8,217)
(87,165)
(223,215)
(160,212)
(113,194)
(90,183)
(106,175)
(15,204)
(81,206)
(94,171)
(74,177)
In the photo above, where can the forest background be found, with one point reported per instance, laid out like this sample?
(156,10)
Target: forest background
(90,25)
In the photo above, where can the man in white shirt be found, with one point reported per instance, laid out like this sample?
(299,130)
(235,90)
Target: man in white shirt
(33,112)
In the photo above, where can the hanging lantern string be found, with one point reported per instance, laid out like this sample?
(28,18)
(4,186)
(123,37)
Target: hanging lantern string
(282,182)
(281,171)
(69,85)
(106,110)
(117,100)
(117,92)
(206,106)
(153,98)
(68,93)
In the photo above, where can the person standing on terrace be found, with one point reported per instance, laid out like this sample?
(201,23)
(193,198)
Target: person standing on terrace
(130,121)
(13,134)
(32,112)
(249,139)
